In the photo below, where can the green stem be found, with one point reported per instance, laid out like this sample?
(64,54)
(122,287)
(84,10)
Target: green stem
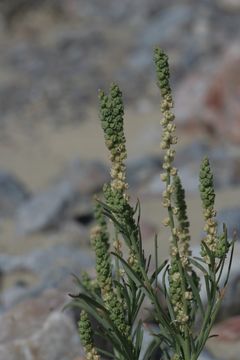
(166,325)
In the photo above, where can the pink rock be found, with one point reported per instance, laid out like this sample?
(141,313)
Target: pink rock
(26,317)
(38,329)
(228,330)
(209,99)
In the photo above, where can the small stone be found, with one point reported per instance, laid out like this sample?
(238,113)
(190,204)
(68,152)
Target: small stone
(44,210)
(231,217)
(213,90)
(13,193)
(226,345)
(46,268)
(231,5)
(55,339)
(141,170)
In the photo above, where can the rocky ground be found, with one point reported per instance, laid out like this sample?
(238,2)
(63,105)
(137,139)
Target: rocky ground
(54,57)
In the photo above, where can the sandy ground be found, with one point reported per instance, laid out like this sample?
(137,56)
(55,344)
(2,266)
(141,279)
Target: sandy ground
(38,155)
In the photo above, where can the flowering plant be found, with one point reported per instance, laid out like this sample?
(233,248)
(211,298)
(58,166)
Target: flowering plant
(115,298)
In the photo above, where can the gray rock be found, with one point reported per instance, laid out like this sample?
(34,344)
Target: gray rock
(147,339)
(231,217)
(85,177)
(49,268)
(212,88)
(205,355)
(44,210)
(188,176)
(13,193)
(223,166)
(141,170)
(194,151)
(39,75)
(49,208)
(168,24)
(226,345)
(36,329)
(155,186)
(231,5)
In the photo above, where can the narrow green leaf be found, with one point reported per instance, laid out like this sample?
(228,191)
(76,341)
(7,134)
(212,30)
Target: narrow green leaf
(230,262)
(195,291)
(152,347)
(199,266)
(131,273)
(156,272)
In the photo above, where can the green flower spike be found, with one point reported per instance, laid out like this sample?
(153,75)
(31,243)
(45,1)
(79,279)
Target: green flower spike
(179,293)
(207,194)
(216,243)
(183,223)
(88,284)
(168,136)
(100,243)
(162,70)
(113,303)
(206,187)
(111,114)
(117,296)
(86,336)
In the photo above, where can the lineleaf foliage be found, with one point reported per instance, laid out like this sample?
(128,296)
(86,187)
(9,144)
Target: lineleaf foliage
(125,280)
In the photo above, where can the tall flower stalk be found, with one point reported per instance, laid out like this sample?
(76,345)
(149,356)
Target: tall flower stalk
(179,291)
(123,278)
(112,121)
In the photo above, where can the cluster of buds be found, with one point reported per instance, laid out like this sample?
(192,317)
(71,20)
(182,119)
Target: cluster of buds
(215,243)
(176,357)
(120,205)
(133,261)
(116,307)
(86,336)
(90,285)
(168,137)
(111,115)
(181,301)
(182,231)
(180,295)
(100,241)
(125,216)
(208,197)
(166,195)
(100,244)
(117,245)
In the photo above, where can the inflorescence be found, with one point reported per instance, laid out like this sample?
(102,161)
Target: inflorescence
(116,296)
(174,201)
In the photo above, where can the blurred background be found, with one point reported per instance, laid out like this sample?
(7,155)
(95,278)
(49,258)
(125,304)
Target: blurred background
(54,56)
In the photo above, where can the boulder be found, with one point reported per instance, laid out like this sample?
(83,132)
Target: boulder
(49,208)
(226,345)
(231,217)
(36,329)
(40,270)
(214,105)
(13,193)
(45,210)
